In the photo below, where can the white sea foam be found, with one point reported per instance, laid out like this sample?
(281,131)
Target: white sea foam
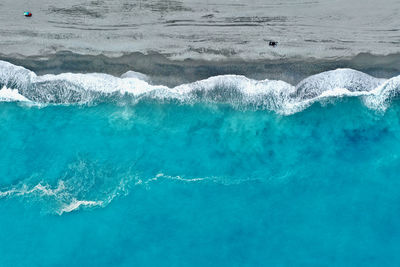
(40,189)
(239,91)
(76,204)
(66,196)
(62,196)
(178,178)
(64,199)
(11,95)
(137,75)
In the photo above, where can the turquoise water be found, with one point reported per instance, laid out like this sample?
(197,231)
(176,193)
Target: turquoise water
(105,171)
(203,184)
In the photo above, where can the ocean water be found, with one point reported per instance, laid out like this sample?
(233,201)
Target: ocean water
(228,171)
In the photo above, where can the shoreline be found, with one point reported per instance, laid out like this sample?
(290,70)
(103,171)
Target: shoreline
(163,70)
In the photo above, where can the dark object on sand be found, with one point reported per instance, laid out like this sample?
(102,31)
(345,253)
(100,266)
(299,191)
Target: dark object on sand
(27,14)
(273,43)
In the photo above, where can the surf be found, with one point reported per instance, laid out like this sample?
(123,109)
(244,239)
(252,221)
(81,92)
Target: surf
(20,84)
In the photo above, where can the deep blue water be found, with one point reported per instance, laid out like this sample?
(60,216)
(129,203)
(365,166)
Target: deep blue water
(205,184)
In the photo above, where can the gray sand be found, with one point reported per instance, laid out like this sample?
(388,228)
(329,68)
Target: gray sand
(201,29)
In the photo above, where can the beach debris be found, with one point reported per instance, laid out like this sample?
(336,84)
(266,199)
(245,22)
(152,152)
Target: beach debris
(27,14)
(273,43)
(208,16)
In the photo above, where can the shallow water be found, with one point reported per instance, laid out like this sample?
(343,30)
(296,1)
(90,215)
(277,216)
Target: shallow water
(164,184)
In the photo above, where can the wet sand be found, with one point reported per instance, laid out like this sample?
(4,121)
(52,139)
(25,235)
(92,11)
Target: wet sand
(163,70)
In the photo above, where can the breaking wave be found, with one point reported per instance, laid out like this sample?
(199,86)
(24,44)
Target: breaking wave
(20,84)
(64,197)
(63,201)
(84,186)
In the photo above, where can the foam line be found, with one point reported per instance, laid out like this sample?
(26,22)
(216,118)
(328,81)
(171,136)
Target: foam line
(20,84)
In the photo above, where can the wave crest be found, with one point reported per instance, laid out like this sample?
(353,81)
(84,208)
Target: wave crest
(238,91)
